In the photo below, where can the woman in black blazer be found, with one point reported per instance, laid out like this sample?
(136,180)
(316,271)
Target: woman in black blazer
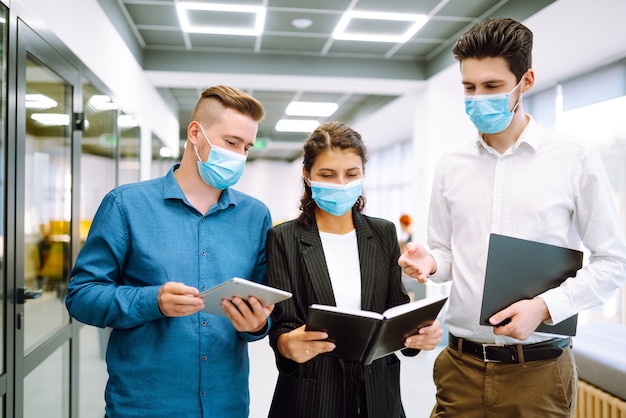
(334,255)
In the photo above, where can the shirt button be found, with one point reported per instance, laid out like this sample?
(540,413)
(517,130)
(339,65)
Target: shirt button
(203,393)
(203,253)
(204,323)
(203,358)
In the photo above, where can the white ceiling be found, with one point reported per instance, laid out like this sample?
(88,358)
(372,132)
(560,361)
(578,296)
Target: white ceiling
(286,63)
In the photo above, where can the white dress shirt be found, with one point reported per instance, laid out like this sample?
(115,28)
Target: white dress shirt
(547,188)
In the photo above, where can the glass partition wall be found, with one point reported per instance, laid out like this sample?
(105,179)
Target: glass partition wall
(64,145)
(47,240)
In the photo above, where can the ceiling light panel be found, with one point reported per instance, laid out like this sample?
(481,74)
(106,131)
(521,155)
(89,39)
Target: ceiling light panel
(51,119)
(126,121)
(100,103)
(39,102)
(378,27)
(221,19)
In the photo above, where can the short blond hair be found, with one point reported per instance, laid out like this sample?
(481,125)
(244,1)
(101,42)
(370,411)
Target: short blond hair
(218,98)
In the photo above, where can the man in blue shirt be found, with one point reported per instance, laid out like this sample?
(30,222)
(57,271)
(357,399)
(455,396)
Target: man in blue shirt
(152,247)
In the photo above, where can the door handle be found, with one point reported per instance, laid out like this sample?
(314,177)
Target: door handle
(23,294)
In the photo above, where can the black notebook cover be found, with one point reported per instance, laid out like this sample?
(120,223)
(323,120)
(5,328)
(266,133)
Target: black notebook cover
(366,336)
(521,269)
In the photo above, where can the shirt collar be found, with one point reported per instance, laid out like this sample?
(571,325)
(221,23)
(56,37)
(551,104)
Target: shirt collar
(530,136)
(173,191)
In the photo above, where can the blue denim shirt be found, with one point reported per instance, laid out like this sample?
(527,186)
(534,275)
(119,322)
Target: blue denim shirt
(143,235)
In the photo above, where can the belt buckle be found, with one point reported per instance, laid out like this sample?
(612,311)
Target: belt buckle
(485,346)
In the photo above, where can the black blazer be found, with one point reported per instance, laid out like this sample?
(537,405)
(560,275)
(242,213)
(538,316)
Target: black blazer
(296,263)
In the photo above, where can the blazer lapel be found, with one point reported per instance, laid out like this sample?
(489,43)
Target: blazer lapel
(373,268)
(315,262)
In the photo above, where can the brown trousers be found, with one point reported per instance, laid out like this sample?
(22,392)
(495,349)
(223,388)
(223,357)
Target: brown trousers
(470,388)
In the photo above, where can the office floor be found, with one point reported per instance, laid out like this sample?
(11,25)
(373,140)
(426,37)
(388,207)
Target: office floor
(418,390)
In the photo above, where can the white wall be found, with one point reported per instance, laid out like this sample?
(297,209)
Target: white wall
(440,125)
(277,184)
(574,36)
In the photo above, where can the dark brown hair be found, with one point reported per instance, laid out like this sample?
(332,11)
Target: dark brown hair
(497,37)
(330,135)
(217,98)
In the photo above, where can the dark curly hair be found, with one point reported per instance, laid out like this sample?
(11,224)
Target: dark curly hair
(330,135)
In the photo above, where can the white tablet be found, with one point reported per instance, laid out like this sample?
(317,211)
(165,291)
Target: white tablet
(242,288)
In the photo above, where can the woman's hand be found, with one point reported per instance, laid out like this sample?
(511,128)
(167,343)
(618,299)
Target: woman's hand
(301,346)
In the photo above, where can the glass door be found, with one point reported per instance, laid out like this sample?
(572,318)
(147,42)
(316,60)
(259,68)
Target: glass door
(46,88)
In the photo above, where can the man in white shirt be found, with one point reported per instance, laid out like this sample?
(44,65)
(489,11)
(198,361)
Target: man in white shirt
(513,179)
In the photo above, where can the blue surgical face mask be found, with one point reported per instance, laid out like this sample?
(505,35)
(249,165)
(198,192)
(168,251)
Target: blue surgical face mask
(336,199)
(223,168)
(490,112)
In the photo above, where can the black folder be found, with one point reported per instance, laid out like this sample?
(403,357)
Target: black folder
(366,336)
(521,269)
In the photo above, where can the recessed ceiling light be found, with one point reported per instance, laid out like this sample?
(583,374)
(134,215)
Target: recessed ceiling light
(51,119)
(100,103)
(322,109)
(296,125)
(301,23)
(183,7)
(39,101)
(340,30)
(126,121)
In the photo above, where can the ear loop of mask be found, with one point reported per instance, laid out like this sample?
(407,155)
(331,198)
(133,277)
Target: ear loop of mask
(206,138)
(519,97)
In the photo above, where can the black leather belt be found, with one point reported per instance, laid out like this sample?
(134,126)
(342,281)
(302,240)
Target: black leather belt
(516,353)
